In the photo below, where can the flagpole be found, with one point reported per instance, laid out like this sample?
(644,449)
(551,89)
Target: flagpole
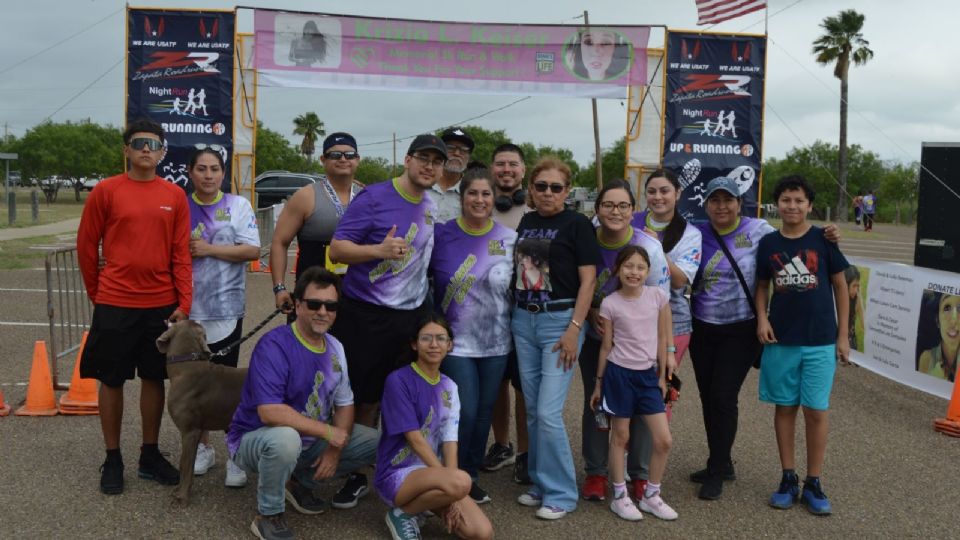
(596,126)
(766,15)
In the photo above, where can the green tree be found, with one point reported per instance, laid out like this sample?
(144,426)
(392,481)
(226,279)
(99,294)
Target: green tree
(841,44)
(275,153)
(311,127)
(70,150)
(372,170)
(613,164)
(898,187)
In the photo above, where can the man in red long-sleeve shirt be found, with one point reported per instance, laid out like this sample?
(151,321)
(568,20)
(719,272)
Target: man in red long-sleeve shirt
(143,223)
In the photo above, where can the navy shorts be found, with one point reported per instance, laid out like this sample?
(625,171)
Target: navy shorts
(123,343)
(628,392)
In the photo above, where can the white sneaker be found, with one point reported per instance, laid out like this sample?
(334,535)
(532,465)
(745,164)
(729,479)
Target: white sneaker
(625,508)
(236,477)
(530,498)
(550,512)
(205,459)
(655,505)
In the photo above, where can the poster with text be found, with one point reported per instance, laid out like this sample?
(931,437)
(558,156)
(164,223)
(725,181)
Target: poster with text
(713,122)
(317,50)
(180,75)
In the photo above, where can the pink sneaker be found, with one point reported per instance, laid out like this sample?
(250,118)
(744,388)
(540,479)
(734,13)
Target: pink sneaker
(625,508)
(655,505)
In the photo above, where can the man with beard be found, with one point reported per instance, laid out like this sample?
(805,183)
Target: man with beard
(508,171)
(446,192)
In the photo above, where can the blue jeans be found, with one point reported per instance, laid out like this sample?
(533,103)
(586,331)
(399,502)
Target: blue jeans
(545,386)
(274,453)
(478,381)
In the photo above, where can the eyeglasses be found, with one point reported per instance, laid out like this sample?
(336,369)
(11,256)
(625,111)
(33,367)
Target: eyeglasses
(336,155)
(543,186)
(214,147)
(441,339)
(315,305)
(457,149)
(427,162)
(145,142)
(610,205)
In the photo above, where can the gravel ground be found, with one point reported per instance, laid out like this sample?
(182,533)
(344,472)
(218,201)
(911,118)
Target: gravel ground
(882,451)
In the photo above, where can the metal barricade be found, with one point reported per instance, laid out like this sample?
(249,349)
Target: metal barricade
(68,308)
(266,223)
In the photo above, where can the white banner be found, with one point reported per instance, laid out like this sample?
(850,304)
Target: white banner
(905,323)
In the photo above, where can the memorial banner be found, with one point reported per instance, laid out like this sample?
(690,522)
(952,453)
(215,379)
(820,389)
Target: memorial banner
(905,324)
(180,74)
(333,51)
(713,122)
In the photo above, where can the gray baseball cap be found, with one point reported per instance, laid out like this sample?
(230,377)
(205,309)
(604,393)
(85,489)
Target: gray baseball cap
(722,183)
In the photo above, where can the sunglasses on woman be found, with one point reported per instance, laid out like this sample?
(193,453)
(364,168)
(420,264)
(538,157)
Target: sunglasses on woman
(543,186)
(214,147)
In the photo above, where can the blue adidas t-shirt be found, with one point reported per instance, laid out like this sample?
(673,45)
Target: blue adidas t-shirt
(802,310)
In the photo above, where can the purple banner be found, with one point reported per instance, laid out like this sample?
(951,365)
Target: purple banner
(333,51)
(713,122)
(180,74)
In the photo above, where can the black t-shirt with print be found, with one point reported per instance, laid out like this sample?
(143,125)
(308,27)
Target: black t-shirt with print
(548,253)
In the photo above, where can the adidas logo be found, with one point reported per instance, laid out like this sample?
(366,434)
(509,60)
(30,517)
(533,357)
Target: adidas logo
(795,274)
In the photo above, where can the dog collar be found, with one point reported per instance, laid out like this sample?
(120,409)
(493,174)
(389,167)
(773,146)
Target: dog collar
(187,357)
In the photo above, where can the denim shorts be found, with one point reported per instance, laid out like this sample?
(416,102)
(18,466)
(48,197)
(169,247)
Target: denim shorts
(628,392)
(793,375)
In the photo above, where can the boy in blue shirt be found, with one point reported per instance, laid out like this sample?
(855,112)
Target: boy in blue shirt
(803,335)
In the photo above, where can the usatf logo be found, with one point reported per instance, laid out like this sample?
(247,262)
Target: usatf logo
(545,62)
(178,64)
(689,52)
(153,29)
(208,34)
(711,86)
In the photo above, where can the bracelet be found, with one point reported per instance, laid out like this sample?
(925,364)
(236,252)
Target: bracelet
(279,287)
(671,348)
(575,323)
(329,432)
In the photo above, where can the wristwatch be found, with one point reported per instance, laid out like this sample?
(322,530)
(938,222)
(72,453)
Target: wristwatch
(279,287)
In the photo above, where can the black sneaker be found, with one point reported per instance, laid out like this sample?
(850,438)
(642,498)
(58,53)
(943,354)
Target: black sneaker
(352,491)
(478,495)
(712,487)
(729,474)
(520,474)
(271,527)
(153,466)
(303,499)
(111,477)
(498,457)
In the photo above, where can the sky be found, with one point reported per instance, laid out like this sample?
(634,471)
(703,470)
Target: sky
(53,49)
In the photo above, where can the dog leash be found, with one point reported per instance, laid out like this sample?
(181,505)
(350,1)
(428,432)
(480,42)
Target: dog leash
(226,350)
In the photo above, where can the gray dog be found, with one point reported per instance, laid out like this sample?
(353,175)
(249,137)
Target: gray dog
(203,395)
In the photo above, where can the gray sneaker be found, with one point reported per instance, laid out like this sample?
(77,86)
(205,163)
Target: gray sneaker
(271,527)
(303,499)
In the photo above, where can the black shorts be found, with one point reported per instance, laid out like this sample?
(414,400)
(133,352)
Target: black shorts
(233,357)
(376,340)
(123,342)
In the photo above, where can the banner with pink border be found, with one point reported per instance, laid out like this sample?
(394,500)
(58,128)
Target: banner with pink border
(317,50)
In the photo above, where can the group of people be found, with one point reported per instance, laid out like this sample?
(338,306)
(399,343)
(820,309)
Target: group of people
(864,208)
(455,284)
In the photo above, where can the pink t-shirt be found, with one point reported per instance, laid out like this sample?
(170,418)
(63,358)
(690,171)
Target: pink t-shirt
(634,327)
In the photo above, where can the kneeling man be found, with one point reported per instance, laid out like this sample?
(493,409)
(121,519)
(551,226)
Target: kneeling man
(294,425)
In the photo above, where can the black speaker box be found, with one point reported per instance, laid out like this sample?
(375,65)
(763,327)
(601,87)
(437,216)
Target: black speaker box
(938,214)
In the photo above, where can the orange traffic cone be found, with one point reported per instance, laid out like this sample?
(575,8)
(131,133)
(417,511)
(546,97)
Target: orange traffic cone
(4,408)
(40,398)
(82,396)
(255,265)
(951,424)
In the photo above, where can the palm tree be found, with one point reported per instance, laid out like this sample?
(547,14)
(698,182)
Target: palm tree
(842,43)
(311,127)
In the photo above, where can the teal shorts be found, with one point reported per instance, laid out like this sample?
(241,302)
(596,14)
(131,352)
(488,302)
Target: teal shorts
(793,375)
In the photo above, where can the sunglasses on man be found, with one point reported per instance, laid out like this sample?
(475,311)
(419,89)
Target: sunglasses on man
(336,155)
(145,142)
(315,305)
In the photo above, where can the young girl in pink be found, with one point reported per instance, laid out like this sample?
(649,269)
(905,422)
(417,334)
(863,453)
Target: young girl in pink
(637,358)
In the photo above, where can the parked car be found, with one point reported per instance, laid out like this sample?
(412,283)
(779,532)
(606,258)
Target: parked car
(275,187)
(15,178)
(87,183)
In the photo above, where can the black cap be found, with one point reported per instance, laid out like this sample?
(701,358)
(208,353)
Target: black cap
(457,134)
(427,142)
(338,138)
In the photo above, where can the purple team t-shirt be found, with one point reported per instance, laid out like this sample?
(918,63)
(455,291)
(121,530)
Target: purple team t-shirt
(471,284)
(285,369)
(412,403)
(718,297)
(398,284)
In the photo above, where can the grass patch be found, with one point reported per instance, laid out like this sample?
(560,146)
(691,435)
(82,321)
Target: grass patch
(17,255)
(66,207)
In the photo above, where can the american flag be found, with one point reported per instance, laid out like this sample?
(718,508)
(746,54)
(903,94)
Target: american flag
(717,11)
